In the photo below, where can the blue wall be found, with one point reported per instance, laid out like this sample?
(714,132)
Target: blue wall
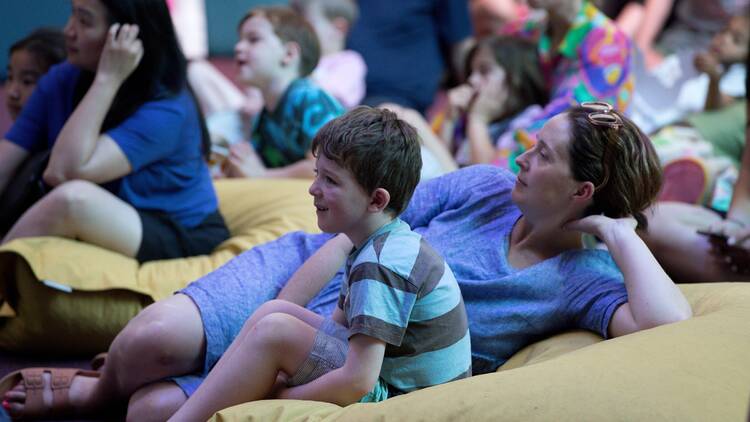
(20,17)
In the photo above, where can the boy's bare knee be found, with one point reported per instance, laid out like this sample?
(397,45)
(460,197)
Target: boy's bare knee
(155,402)
(273,329)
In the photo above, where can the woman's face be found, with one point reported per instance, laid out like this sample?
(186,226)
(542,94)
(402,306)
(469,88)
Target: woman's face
(85,33)
(24,70)
(486,73)
(545,181)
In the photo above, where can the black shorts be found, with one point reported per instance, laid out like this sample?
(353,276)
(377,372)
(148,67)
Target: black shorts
(165,238)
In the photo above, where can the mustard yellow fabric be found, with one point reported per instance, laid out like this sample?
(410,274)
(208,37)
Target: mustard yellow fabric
(695,370)
(109,288)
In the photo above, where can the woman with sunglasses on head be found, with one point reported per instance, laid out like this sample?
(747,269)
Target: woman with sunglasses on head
(514,244)
(127,141)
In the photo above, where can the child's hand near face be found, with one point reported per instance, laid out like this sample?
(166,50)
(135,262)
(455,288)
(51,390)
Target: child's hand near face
(489,103)
(709,64)
(243,161)
(459,99)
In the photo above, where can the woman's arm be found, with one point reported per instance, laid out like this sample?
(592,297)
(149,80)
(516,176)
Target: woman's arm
(81,151)
(349,383)
(653,299)
(11,156)
(318,270)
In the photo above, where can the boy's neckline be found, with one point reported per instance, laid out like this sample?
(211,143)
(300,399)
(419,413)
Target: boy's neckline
(380,230)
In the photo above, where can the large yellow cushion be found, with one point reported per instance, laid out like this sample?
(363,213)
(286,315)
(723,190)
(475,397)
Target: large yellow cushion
(94,292)
(695,370)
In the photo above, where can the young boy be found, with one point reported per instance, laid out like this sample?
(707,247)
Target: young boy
(340,72)
(277,49)
(400,324)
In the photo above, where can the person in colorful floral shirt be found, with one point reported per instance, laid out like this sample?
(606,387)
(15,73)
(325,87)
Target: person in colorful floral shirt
(584,57)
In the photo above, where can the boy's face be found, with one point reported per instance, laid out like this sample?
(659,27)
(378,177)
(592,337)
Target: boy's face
(259,52)
(730,45)
(340,201)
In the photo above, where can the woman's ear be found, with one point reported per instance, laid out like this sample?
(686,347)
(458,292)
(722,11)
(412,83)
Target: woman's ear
(585,191)
(379,200)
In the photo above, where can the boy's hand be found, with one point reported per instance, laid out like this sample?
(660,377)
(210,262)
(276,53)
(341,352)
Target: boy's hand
(243,161)
(730,243)
(708,63)
(121,54)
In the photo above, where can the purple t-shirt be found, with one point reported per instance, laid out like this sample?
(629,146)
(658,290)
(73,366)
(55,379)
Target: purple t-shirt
(467,216)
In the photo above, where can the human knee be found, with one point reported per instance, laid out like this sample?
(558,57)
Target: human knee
(274,330)
(69,198)
(147,340)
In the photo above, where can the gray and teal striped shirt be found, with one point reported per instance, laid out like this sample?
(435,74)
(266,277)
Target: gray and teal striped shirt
(400,290)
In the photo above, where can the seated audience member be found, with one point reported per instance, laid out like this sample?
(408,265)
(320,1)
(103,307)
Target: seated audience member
(276,52)
(504,82)
(702,154)
(641,20)
(127,150)
(358,353)
(504,85)
(30,58)
(408,45)
(340,72)
(513,242)
(696,244)
(585,58)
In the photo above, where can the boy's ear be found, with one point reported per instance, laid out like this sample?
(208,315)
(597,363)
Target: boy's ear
(379,200)
(292,54)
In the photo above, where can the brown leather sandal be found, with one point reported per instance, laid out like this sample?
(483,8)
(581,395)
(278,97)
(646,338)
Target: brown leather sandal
(33,382)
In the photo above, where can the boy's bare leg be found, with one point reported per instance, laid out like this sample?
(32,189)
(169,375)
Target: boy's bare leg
(165,339)
(268,344)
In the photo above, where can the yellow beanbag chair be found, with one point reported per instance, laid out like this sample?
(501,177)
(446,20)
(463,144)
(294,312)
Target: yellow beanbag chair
(695,370)
(78,296)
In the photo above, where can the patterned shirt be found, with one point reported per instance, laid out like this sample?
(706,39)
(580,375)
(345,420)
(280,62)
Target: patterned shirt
(283,136)
(399,290)
(592,63)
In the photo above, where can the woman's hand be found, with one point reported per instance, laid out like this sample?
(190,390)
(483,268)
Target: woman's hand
(601,226)
(121,54)
(243,161)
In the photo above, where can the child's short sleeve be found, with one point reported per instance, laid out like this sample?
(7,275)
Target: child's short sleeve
(379,302)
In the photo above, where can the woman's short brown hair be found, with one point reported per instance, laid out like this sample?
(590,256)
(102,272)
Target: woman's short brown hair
(290,26)
(378,148)
(620,161)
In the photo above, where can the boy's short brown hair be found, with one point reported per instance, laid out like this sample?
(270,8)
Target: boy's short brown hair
(378,148)
(289,26)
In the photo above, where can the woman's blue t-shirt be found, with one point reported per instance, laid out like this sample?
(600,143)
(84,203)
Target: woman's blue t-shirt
(161,140)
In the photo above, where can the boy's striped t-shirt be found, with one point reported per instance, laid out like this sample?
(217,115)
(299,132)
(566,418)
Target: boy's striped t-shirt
(400,290)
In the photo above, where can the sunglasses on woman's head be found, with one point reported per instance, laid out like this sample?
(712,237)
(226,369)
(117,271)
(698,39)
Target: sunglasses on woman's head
(601,114)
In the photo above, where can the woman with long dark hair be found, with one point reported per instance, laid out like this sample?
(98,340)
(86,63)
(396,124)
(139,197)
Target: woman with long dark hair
(128,143)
